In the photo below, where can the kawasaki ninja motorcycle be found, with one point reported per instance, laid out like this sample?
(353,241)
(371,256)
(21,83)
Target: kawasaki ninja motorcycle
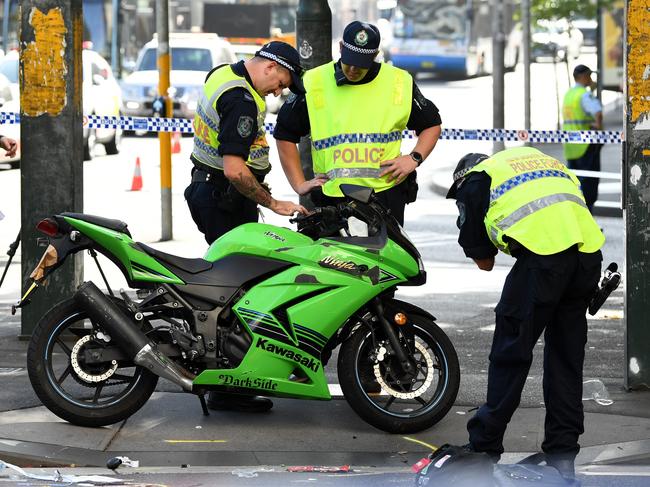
(260,313)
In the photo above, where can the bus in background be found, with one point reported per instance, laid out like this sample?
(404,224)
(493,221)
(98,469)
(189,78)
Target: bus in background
(448,37)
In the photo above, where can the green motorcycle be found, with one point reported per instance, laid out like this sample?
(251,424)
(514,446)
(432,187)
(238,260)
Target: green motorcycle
(261,313)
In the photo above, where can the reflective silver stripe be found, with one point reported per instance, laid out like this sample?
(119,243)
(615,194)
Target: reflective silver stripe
(361,172)
(207,154)
(536,205)
(206,108)
(494,237)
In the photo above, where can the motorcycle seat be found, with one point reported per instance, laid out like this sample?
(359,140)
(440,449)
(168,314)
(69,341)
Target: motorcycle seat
(192,266)
(111,224)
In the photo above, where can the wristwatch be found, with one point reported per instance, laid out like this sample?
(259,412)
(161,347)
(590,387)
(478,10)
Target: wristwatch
(417,157)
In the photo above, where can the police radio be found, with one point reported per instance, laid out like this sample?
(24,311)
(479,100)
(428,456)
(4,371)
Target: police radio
(610,281)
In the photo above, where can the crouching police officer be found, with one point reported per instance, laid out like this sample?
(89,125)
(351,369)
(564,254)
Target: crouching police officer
(231,157)
(530,206)
(355,111)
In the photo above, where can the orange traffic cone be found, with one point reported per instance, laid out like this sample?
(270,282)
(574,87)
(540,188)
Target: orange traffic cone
(136,184)
(176,142)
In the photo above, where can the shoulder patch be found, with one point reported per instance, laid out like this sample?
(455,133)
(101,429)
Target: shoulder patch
(292,97)
(245,126)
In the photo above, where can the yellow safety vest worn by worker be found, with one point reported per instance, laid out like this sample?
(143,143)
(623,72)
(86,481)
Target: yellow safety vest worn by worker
(536,200)
(356,127)
(575,118)
(206,122)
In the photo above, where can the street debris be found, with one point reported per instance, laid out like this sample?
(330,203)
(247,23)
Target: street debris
(320,469)
(64,479)
(115,462)
(250,472)
(596,390)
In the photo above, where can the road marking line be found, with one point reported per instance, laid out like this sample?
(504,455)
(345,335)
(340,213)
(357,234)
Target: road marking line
(195,441)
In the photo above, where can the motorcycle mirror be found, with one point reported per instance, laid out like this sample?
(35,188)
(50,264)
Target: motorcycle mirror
(361,194)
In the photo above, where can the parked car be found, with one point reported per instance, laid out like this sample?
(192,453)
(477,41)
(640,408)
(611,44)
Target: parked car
(556,40)
(100,92)
(247,51)
(192,56)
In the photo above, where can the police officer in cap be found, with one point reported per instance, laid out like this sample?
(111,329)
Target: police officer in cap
(529,206)
(581,110)
(231,157)
(355,110)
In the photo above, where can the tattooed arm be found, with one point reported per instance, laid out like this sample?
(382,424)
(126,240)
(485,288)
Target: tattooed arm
(237,172)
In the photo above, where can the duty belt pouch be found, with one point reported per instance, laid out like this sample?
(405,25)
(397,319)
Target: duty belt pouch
(411,187)
(452,465)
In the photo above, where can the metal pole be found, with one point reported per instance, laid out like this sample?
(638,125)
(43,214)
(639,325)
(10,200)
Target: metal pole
(599,51)
(162,29)
(498,70)
(525,16)
(51,121)
(314,44)
(636,180)
(115,40)
(5,24)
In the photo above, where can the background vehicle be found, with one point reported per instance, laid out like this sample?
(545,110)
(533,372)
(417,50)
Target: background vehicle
(449,37)
(261,313)
(192,57)
(101,96)
(589,29)
(556,40)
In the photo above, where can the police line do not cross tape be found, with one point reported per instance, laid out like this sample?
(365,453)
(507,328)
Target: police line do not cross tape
(158,124)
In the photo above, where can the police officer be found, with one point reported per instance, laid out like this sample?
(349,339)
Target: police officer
(231,157)
(529,205)
(581,110)
(9,145)
(355,110)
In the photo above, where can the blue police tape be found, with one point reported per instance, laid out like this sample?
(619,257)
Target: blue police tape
(157,124)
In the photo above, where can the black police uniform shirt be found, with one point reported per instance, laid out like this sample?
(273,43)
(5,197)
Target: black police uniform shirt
(472,200)
(293,118)
(233,106)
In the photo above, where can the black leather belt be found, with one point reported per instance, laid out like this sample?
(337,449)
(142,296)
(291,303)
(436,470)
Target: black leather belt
(201,176)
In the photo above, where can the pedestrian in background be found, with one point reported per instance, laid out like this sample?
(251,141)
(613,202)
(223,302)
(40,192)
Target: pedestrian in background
(231,157)
(529,206)
(355,110)
(581,110)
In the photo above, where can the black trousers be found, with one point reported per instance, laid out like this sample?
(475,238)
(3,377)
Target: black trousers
(217,207)
(590,161)
(546,294)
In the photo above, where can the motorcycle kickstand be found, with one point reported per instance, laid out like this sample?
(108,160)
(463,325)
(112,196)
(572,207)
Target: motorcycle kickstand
(204,405)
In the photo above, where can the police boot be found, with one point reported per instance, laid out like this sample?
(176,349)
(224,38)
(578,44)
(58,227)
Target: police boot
(224,401)
(563,464)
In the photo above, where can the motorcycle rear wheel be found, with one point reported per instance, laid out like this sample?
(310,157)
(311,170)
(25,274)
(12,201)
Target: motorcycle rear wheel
(82,394)
(373,387)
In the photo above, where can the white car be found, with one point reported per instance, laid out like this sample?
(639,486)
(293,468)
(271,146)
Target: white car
(193,55)
(556,40)
(101,96)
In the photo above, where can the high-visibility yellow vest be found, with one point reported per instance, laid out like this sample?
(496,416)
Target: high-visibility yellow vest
(356,127)
(575,118)
(206,122)
(536,200)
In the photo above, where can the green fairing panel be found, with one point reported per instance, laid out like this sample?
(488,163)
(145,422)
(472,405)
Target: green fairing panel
(122,247)
(255,239)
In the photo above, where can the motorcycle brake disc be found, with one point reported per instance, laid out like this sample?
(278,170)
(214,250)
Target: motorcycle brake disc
(83,375)
(426,355)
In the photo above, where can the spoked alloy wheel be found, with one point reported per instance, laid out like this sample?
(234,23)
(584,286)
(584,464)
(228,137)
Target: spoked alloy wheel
(380,392)
(85,393)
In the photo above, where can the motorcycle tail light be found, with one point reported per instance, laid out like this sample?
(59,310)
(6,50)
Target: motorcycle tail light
(48,226)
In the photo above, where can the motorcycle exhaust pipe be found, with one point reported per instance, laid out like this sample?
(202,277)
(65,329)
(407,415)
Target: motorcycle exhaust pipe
(128,337)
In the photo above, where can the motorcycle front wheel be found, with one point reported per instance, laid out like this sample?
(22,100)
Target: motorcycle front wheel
(377,389)
(83,392)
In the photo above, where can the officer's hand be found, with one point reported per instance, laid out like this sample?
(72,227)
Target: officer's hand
(398,168)
(10,145)
(287,208)
(307,186)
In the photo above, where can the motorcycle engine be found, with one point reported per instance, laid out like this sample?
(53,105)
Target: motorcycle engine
(236,343)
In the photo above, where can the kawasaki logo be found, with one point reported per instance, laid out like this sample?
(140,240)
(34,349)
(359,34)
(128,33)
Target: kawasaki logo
(264,344)
(258,383)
